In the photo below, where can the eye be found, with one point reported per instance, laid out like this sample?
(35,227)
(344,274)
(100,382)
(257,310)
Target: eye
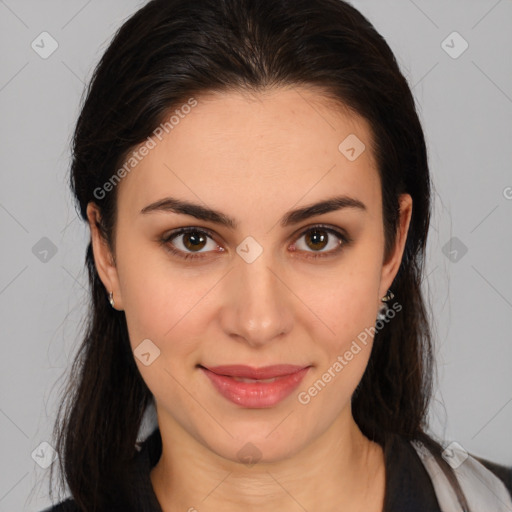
(318,238)
(191,241)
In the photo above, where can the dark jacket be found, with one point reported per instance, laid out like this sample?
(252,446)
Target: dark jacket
(408,485)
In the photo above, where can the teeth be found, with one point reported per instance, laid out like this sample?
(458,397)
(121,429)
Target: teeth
(241,379)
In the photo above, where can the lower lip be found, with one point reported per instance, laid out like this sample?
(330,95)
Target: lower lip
(256,394)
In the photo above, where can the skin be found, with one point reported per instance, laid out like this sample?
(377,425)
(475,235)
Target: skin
(254,159)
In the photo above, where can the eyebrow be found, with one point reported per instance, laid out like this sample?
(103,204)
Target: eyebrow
(171,204)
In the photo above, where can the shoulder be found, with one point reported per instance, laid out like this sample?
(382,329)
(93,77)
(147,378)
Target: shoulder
(504,473)
(67,505)
(485,484)
(408,484)
(142,494)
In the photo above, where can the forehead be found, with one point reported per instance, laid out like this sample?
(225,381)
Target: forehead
(281,144)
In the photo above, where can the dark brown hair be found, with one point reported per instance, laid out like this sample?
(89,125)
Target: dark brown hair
(168,52)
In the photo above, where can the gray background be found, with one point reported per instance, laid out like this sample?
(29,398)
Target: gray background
(465,104)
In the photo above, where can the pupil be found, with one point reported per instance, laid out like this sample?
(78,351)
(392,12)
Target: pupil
(318,237)
(195,240)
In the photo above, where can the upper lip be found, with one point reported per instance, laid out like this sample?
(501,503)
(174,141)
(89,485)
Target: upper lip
(248,372)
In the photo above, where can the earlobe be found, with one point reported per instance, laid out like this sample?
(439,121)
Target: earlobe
(103,257)
(390,268)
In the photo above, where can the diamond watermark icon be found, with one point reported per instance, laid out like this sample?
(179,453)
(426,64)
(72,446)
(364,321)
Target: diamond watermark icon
(454,45)
(249,454)
(44,250)
(454,249)
(146,352)
(249,249)
(454,454)
(44,45)
(44,455)
(351,147)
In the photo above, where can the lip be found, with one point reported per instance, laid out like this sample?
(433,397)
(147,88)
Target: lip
(248,372)
(255,394)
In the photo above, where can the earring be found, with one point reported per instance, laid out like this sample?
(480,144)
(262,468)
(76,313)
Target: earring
(111,298)
(381,315)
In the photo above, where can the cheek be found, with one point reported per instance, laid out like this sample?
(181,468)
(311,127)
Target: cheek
(343,302)
(344,349)
(167,305)
(161,306)
(157,307)
(154,292)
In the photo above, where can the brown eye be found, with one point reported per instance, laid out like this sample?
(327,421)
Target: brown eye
(193,240)
(318,238)
(187,243)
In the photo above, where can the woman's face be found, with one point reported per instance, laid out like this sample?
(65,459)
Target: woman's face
(268,287)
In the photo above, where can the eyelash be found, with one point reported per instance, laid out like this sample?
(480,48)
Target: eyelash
(191,256)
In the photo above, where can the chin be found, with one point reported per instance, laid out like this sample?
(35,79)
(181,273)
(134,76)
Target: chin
(257,444)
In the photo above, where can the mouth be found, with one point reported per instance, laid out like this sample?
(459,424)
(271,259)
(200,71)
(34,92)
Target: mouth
(245,373)
(255,387)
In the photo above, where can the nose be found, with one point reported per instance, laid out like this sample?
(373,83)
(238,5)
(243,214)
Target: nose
(259,308)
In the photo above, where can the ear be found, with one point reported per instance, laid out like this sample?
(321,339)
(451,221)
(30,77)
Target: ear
(391,266)
(103,257)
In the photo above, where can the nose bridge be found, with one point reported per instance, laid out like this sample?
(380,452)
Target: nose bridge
(261,307)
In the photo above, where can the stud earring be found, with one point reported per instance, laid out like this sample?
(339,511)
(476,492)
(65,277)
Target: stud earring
(381,315)
(111,298)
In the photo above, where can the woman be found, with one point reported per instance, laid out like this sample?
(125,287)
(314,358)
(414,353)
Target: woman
(255,179)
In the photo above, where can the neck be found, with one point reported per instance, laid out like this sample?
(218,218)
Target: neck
(335,472)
